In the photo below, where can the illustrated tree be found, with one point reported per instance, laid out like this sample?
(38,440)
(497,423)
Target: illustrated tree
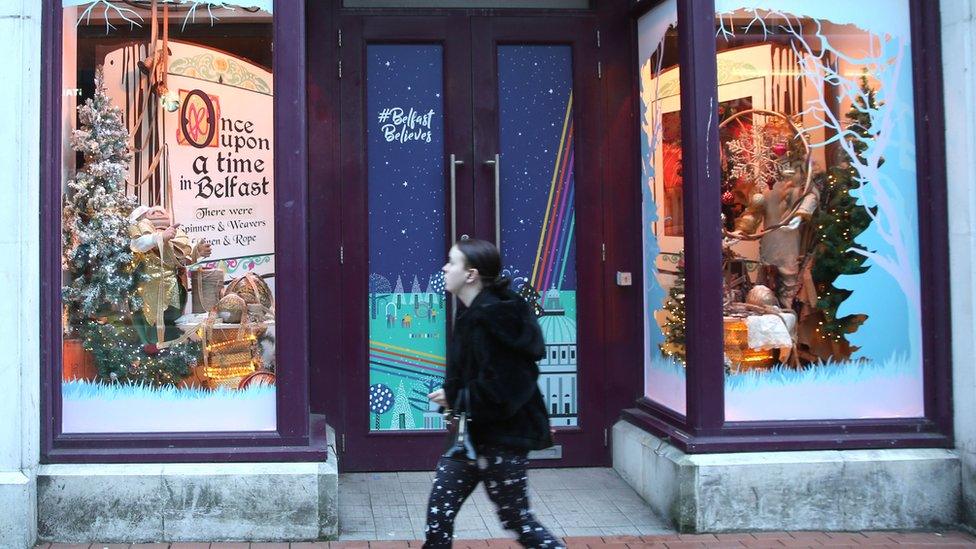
(838,222)
(379,291)
(402,410)
(436,287)
(380,402)
(101,287)
(398,292)
(424,387)
(416,291)
(674,326)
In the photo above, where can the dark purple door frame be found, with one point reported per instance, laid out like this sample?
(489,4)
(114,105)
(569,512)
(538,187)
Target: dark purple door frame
(454,29)
(294,439)
(704,428)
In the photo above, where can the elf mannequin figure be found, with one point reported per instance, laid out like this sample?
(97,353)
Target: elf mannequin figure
(161,251)
(781,248)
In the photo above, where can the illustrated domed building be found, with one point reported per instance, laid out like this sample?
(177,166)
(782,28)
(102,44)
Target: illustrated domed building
(557,370)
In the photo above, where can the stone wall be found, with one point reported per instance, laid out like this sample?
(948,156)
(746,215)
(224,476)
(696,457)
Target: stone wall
(20,42)
(845,490)
(958,54)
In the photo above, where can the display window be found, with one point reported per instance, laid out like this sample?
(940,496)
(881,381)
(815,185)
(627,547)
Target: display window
(170,255)
(813,245)
(168,219)
(821,304)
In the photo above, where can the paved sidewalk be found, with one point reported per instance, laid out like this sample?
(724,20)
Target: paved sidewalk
(591,501)
(668,541)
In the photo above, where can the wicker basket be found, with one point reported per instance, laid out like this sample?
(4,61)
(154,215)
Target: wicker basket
(253,289)
(230,352)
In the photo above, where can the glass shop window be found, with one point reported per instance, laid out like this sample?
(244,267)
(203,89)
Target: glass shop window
(168,216)
(819,210)
(662,207)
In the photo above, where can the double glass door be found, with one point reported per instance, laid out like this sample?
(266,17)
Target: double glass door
(462,125)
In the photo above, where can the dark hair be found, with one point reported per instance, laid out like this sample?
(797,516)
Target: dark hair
(484,256)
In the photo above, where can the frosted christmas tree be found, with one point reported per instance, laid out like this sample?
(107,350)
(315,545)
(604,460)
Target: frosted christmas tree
(95,216)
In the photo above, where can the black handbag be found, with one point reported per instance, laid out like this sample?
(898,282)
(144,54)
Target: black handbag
(461,447)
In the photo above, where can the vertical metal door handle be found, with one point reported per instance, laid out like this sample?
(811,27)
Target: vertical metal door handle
(454,164)
(497,164)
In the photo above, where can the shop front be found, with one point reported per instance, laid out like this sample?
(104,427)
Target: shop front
(730,217)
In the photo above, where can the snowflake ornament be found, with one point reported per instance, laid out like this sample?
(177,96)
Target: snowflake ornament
(754,156)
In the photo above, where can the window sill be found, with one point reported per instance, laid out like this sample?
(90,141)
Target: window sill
(790,435)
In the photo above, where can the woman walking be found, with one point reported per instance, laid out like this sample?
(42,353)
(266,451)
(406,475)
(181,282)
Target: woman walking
(491,364)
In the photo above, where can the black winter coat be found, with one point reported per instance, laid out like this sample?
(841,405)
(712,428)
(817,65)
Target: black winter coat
(496,343)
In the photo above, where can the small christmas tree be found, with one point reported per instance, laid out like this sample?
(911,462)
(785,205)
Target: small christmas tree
(838,222)
(674,325)
(96,210)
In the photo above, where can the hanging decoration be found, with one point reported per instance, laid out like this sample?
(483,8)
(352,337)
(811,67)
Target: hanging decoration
(128,10)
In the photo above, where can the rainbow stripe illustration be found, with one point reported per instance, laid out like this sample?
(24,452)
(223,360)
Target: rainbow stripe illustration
(403,362)
(556,235)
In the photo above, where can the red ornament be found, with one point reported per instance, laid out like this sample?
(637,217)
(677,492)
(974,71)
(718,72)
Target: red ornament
(150,349)
(728,198)
(779,148)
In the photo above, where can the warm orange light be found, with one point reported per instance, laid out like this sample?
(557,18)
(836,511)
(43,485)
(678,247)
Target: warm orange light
(738,351)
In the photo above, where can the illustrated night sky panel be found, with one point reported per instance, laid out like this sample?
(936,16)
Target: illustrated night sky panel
(404,118)
(535,88)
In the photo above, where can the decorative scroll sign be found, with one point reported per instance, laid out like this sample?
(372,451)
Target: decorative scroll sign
(220,144)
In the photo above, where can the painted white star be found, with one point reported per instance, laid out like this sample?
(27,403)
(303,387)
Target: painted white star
(409,88)
(405,184)
(403,231)
(387,63)
(521,221)
(550,90)
(437,95)
(434,510)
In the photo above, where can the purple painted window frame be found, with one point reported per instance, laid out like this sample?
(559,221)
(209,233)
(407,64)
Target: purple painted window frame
(295,438)
(704,429)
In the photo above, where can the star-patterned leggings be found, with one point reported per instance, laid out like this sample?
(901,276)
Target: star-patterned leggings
(503,471)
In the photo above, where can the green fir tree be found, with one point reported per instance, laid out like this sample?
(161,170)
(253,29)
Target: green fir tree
(838,222)
(96,210)
(674,325)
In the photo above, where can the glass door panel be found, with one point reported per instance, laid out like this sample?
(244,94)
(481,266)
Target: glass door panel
(537,182)
(405,166)
(537,212)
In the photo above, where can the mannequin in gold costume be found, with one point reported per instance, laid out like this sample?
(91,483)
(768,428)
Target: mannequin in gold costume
(161,253)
